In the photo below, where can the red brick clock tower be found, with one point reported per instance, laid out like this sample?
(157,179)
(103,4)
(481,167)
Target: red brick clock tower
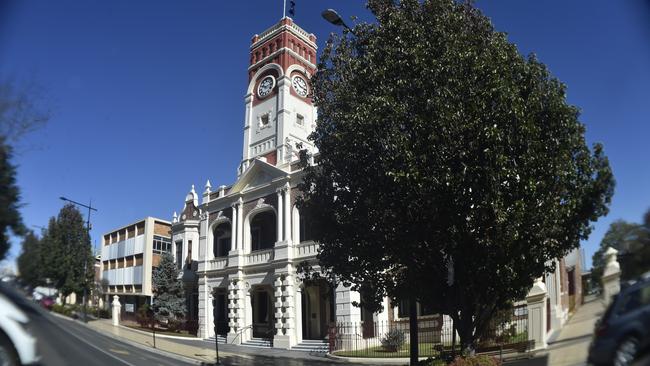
(279,110)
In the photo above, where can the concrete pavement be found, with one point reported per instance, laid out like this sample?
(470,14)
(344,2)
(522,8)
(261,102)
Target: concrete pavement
(571,347)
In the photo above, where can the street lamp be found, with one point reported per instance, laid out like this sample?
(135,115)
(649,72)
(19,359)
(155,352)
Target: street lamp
(90,208)
(333,17)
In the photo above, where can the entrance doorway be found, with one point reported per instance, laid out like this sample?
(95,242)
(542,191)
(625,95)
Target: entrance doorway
(220,311)
(263,318)
(318,310)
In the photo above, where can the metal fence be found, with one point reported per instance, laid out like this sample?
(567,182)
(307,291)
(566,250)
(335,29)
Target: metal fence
(507,331)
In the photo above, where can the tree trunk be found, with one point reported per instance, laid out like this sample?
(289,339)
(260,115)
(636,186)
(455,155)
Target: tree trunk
(413,330)
(465,331)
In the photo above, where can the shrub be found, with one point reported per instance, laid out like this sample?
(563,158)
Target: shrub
(393,340)
(477,360)
(143,316)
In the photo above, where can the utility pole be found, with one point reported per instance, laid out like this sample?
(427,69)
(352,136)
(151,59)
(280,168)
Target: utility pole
(90,209)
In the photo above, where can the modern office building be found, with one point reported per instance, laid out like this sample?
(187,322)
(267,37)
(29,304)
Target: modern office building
(128,256)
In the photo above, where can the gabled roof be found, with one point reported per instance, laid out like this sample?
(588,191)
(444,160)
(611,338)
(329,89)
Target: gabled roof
(258,174)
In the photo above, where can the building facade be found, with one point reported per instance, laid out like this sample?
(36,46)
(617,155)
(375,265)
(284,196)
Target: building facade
(128,257)
(241,244)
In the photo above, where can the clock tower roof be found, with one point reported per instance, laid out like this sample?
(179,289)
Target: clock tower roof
(285,44)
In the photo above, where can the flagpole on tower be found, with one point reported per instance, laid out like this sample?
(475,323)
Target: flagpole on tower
(284,9)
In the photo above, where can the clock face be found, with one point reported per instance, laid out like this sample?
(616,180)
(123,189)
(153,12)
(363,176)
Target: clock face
(300,86)
(266,86)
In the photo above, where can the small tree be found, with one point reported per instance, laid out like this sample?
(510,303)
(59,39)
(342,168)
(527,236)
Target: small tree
(169,293)
(29,261)
(621,235)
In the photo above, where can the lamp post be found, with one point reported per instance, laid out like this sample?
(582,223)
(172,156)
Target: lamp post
(216,335)
(333,17)
(90,209)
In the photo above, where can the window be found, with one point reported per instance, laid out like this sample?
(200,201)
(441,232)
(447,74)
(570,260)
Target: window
(422,309)
(263,231)
(264,120)
(635,300)
(300,120)
(179,254)
(161,244)
(221,243)
(305,228)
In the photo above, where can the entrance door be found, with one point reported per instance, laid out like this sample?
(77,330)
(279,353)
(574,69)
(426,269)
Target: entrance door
(262,314)
(317,310)
(220,307)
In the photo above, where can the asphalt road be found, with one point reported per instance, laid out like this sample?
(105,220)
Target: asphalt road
(66,342)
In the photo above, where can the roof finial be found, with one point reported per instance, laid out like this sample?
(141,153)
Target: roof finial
(208,186)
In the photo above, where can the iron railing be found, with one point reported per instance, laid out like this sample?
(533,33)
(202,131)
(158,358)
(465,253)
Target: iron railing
(508,330)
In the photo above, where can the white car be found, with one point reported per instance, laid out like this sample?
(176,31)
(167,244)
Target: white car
(17,345)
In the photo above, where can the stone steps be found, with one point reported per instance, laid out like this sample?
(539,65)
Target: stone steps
(312,345)
(257,343)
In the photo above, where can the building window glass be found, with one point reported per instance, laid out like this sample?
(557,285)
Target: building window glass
(305,228)
(221,241)
(300,120)
(264,120)
(161,244)
(179,254)
(263,231)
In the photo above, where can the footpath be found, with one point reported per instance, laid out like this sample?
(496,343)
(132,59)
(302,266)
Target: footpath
(197,349)
(571,347)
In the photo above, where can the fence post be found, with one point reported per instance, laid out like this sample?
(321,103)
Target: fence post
(611,275)
(536,304)
(117,307)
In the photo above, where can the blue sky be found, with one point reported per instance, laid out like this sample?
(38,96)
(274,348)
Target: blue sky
(147,96)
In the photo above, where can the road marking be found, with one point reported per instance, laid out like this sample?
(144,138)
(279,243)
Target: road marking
(120,351)
(97,348)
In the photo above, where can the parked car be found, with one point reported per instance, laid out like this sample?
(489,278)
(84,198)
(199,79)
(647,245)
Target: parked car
(47,302)
(17,345)
(624,330)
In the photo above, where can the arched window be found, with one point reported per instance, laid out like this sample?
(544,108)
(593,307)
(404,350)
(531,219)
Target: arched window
(305,228)
(263,231)
(222,241)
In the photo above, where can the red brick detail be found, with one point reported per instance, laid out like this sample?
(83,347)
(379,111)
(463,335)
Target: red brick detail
(272,157)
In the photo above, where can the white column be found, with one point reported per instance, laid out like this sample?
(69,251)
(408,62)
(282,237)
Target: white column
(298,321)
(240,224)
(117,307)
(611,275)
(280,215)
(233,234)
(287,212)
(536,304)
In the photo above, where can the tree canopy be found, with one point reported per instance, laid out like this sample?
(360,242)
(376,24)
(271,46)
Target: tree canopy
(66,251)
(10,219)
(29,260)
(169,294)
(632,240)
(450,168)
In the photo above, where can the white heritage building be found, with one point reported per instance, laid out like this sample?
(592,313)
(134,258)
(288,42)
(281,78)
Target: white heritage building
(239,245)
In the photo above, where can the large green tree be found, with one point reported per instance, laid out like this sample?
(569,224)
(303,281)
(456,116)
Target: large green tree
(19,115)
(10,219)
(169,293)
(29,260)
(451,170)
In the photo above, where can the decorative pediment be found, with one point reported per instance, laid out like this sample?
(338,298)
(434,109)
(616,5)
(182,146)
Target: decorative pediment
(258,174)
